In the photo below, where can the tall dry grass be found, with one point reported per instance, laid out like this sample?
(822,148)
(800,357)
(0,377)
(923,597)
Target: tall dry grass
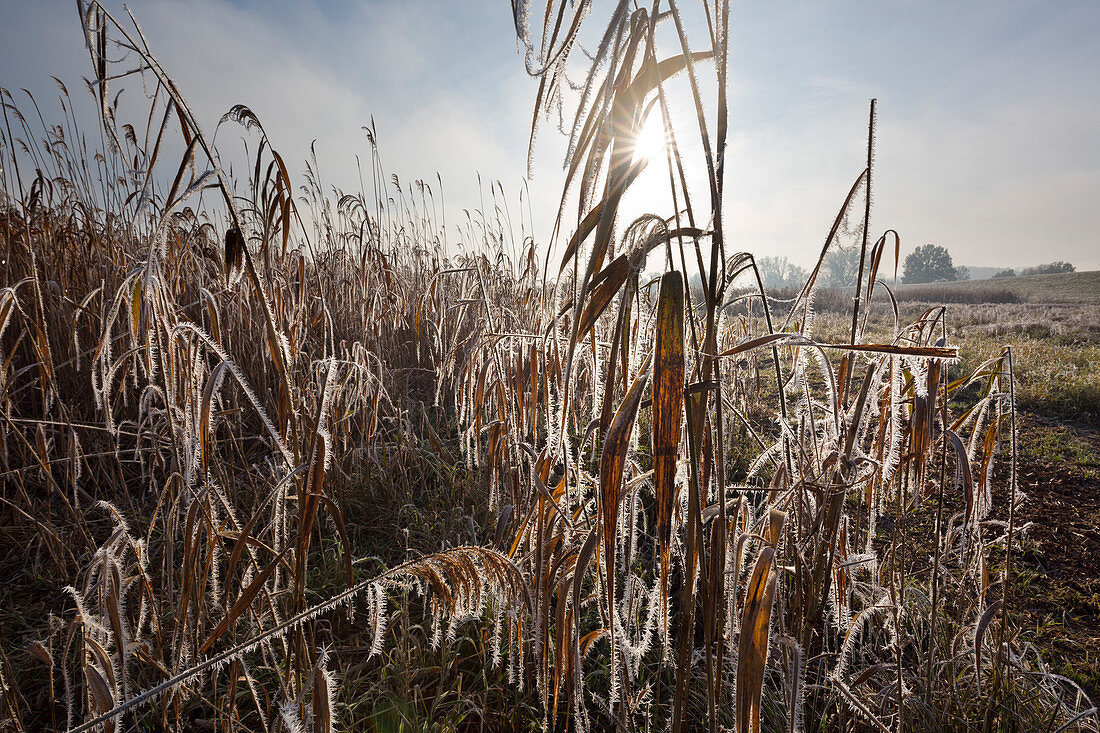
(706,517)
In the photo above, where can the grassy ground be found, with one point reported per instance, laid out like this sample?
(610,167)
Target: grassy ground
(1057,598)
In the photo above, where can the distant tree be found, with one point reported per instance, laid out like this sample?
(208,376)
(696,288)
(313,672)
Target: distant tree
(962,272)
(840,269)
(929,263)
(779,272)
(1051,268)
(1004,273)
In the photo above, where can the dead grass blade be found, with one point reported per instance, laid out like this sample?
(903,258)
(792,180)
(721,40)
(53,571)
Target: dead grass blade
(668,405)
(752,657)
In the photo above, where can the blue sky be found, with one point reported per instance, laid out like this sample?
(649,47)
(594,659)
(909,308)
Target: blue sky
(988,111)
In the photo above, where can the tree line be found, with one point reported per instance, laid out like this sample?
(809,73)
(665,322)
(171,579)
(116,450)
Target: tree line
(928,263)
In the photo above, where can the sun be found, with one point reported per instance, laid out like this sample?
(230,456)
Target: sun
(649,192)
(651,143)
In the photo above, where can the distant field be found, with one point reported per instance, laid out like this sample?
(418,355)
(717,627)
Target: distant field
(1072,287)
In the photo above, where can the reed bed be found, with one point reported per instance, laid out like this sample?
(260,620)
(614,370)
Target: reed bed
(706,516)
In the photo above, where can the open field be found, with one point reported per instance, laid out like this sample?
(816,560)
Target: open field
(287,462)
(1069,288)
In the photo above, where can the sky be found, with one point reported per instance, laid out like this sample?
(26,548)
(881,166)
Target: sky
(987,130)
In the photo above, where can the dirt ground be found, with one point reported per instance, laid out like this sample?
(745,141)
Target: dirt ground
(1057,582)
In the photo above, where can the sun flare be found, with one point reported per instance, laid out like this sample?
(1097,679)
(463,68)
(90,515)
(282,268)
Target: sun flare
(650,144)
